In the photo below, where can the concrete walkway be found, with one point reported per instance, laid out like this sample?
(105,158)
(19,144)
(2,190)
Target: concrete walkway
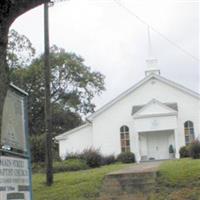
(135,182)
(139,168)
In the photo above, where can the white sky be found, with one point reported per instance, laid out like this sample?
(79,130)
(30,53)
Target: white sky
(114,42)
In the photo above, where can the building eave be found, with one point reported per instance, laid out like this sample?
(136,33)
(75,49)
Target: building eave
(178,86)
(155,115)
(63,136)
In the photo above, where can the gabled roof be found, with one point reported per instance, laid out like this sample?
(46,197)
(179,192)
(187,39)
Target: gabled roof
(140,83)
(63,136)
(164,109)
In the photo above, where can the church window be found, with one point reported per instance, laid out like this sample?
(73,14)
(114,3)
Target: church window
(125,139)
(189,132)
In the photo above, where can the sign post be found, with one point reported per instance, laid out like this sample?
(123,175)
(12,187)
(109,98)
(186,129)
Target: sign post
(15,163)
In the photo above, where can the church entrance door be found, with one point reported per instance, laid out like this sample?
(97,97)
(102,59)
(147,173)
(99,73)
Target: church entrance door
(158,146)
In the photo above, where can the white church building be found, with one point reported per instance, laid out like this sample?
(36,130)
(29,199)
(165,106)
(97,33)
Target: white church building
(146,119)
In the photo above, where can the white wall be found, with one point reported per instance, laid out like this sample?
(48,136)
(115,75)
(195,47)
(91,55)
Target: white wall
(76,142)
(106,134)
(155,123)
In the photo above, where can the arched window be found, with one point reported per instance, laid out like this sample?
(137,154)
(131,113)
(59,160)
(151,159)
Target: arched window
(189,132)
(125,139)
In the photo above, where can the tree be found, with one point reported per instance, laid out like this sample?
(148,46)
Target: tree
(20,51)
(9,11)
(73,86)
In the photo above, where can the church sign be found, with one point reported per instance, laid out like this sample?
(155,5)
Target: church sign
(15,167)
(14,178)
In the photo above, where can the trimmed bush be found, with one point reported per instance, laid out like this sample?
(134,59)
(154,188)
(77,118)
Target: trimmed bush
(194,149)
(184,152)
(107,160)
(126,157)
(69,165)
(92,157)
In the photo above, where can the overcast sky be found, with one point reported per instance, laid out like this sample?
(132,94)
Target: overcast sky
(113,41)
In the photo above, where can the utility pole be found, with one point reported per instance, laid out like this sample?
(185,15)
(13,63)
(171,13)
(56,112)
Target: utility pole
(48,111)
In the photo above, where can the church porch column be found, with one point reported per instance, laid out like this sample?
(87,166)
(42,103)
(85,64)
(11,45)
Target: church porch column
(137,147)
(176,143)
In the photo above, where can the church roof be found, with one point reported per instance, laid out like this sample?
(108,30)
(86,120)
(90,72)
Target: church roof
(136,108)
(65,134)
(137,85)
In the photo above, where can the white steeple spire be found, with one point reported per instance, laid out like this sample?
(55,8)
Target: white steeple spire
(151,61)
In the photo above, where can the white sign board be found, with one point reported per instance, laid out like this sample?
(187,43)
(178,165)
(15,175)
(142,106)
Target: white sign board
(13,126)
(14,179)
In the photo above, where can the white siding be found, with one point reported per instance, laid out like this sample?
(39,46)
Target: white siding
(76,142)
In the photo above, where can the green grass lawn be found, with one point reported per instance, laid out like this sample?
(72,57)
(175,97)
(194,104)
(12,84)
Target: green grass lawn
(82,185)
(178,180)
(180,172)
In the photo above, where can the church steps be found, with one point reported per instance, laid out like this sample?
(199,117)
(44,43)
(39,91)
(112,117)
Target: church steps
(129,185)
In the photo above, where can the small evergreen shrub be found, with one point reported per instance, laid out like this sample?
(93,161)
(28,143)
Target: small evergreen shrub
(171,149)
(92,157)
(126,157)
(194,149)
(69,165)
(107,160)
(184,152)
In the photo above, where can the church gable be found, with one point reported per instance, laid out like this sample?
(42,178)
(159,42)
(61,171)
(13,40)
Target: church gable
(154,107)
(152,78)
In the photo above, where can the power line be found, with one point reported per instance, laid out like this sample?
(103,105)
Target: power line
(156,31)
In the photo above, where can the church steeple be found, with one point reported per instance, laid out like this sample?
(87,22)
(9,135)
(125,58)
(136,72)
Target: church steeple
(151,61)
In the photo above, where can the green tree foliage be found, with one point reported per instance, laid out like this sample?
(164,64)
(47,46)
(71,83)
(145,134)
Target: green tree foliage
(73,87)
(20,51)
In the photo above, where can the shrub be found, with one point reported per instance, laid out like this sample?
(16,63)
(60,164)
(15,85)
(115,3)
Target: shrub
(194,149)
(72,156)
(69,165)
(126,157)
(184,152)
(92,157)
(107,160)
(38,167)
(38,148)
